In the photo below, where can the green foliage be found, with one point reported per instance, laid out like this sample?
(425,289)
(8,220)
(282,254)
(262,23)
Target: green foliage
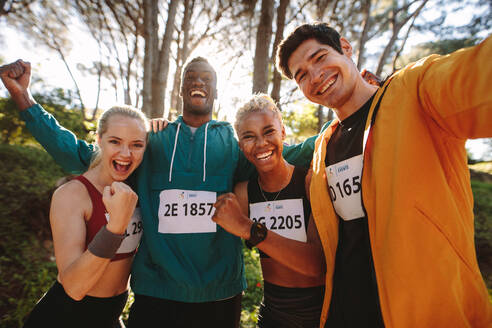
(482,194)
(27,268)
(254,293)
(303,120)
(56,102)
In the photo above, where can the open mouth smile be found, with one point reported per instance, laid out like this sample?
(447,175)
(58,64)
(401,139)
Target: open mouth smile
(121,166)
(264,156)
(198,93)
(327,84)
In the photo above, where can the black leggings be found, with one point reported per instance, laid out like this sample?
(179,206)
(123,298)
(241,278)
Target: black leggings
(288,307)
(149,311)
(57,309)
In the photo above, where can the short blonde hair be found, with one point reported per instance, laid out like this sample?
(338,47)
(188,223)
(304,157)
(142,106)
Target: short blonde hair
(258,103)
(102,124)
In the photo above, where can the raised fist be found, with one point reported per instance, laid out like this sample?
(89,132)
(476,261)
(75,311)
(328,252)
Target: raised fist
(16,77)
(120,201)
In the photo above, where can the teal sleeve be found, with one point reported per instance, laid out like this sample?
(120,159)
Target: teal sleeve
(302,154)
(72,154)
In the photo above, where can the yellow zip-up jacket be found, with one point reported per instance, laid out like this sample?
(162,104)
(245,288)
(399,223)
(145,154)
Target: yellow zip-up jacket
(416,192)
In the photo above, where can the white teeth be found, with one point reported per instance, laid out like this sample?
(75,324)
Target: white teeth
(263,155)
(122,163)
(329,84)
(197,92)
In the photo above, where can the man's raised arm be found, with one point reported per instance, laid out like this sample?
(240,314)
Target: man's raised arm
(71,154)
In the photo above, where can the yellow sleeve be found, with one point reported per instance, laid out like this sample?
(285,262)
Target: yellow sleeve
(456,90)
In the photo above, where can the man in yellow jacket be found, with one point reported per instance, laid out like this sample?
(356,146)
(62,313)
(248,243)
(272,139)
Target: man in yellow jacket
(398,231)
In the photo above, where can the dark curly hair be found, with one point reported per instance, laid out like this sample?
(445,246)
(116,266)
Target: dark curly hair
(321,32)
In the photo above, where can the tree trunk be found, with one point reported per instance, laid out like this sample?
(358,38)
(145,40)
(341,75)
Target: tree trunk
(263,39)
(331,115)
(181,57)
(277,77)
(159,79)
(396,27)
(77,89)
(150,35)
(366,9)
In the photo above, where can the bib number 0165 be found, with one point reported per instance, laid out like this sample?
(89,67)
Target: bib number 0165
(345,189)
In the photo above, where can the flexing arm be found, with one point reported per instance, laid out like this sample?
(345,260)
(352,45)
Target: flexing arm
(79,270)
(305,258)
(71,154)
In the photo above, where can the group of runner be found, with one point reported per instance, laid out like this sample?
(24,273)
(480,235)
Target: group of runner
(378,233)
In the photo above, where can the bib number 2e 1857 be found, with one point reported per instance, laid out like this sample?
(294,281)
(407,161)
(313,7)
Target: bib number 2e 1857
(186,211)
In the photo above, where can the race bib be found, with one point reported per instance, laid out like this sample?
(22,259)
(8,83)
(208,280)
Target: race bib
(186,211)
(344,183)
(133,233)
(285,217)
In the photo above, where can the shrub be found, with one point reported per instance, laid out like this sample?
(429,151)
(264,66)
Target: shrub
(254,293)
(482,194)
(27,178)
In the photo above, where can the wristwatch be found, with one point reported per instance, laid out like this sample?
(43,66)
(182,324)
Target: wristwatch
(258,233)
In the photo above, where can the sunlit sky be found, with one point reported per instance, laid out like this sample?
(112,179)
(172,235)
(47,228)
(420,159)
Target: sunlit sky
(234,85)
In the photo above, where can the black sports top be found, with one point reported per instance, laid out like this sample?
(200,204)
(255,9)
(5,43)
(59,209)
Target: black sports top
(294,190)
(354,301)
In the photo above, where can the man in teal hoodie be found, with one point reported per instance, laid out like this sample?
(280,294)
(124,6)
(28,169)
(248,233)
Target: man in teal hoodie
(188,271)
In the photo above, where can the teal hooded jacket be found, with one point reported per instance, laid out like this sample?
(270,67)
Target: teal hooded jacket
(186,267)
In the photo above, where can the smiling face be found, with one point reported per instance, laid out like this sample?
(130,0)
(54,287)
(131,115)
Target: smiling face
(122,146)
(324,76)
(261,136)
(199,89)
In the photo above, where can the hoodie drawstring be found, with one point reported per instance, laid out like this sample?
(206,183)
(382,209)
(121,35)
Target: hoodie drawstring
(174,152)
(205,154)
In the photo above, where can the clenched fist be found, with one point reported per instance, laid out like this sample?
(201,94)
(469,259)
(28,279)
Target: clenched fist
(120,201)
(16,77)
(228,215)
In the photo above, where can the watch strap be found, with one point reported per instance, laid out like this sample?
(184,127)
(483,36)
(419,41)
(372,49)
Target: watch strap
(258,233)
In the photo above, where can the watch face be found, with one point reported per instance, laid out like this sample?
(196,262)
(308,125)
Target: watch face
(258,234)
(261,231)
